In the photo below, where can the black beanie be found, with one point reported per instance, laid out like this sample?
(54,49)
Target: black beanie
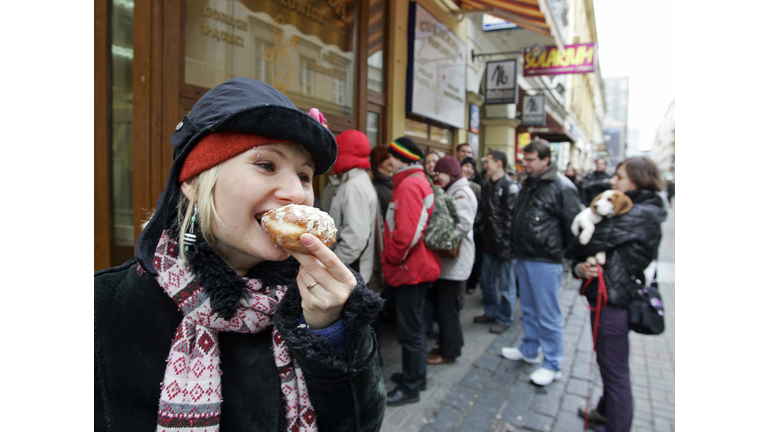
(406,150)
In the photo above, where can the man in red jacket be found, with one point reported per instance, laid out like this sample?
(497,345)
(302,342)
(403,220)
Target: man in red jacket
(408,265)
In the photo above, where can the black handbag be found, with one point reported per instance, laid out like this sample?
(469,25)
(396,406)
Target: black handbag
(646,310)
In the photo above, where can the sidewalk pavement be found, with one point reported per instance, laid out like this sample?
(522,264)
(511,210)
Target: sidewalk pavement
(484,392)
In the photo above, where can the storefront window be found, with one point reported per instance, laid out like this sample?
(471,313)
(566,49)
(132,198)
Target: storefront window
(416,129)
(302,48)
(443,136)
(121,114)
(376,41)
(372,128)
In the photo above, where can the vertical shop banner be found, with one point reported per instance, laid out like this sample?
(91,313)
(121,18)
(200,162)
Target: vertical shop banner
(474,142)
(437,70)
(474,118)
(534,111)
(501,82)
(580,58)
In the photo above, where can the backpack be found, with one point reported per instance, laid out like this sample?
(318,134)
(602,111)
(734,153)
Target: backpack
(440,234)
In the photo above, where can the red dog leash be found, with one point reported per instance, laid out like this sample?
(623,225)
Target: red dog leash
(602,300)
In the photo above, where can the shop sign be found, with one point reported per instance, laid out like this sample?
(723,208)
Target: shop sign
(534,110)
(474,118)
(501,82)
(437,70)
(580,58)
(491,23)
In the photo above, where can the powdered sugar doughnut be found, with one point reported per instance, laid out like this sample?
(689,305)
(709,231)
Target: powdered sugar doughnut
(286,224)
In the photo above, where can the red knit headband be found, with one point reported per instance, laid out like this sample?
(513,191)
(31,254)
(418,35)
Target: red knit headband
(217,147)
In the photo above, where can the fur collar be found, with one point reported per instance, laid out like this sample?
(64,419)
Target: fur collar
(224,285)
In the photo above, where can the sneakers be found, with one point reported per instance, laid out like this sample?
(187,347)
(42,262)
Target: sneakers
(515,354)
(543,376)
(594,417)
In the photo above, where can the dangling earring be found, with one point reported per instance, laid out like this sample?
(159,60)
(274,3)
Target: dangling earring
(189,237)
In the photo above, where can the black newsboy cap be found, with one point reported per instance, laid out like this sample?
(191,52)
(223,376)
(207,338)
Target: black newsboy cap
(239,105)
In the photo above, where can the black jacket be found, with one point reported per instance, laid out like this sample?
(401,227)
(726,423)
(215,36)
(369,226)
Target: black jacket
(594,184)
(383,186)
(541,221)
(135,322)
(631,242)
(495,211)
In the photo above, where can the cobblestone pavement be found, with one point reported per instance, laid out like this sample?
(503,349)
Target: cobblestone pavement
(484,392)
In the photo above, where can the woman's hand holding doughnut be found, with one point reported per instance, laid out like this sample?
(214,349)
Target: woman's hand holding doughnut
(323,302)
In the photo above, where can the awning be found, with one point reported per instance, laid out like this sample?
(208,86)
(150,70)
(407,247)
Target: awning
(553,131)
(533,15)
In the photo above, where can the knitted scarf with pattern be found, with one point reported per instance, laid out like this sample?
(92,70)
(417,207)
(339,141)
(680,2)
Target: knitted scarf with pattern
(191,390)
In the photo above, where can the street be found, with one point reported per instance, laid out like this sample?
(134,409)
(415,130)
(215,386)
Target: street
(482,391)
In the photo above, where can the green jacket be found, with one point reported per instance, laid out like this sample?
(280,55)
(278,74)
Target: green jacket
(134,326)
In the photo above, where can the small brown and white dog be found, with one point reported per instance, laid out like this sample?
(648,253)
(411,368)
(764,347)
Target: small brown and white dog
(608,204)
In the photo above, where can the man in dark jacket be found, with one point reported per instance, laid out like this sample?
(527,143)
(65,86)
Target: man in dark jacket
(541,221)
(464,151)
(498,199)
(596,182)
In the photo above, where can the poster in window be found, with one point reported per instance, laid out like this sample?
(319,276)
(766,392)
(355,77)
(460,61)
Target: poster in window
(437,70)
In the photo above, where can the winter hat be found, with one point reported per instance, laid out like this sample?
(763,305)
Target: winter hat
(241,105)
(218,147)
(448,165)
(406,150)
(354,149)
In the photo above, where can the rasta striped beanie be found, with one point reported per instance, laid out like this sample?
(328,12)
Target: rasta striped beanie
(406,150)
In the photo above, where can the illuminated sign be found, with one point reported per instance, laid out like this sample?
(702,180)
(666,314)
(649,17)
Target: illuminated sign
(580,58)
(491,22)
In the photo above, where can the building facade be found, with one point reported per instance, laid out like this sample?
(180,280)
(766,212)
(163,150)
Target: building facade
(389,68)
(663,149)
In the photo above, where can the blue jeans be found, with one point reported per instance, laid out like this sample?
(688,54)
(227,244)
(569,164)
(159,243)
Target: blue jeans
(542,317)
(503,270)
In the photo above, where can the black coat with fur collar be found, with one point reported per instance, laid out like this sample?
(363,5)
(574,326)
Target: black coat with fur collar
(631,242)
(135,322)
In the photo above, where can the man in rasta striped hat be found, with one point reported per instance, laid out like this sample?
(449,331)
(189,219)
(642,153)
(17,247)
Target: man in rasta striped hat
(408,265)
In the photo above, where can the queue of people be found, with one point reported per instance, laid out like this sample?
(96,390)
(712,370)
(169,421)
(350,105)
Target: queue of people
(245,334)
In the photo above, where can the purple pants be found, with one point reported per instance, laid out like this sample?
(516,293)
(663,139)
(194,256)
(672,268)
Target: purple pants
(612,350)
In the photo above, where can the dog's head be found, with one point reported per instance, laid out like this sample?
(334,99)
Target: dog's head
(611,203)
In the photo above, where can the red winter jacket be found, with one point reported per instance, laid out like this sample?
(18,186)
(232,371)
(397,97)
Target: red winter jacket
(405,259)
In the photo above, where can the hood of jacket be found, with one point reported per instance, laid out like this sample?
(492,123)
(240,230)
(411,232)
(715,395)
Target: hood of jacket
(354,149)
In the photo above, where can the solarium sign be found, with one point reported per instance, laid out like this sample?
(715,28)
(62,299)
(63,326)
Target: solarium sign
(573,59)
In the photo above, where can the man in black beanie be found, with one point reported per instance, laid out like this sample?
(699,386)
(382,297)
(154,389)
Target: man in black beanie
(408,265)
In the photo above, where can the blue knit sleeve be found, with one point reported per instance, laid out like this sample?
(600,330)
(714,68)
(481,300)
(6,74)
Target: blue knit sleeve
(335,333)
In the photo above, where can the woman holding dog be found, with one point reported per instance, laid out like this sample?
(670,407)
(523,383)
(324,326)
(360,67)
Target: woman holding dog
(631,242)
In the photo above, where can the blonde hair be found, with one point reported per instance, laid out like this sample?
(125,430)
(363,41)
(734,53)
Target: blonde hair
(202,195)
